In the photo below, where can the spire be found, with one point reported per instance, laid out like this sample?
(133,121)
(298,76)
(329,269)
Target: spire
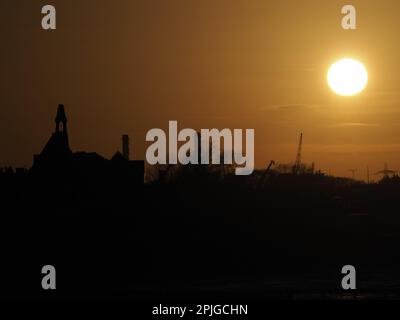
(61,119)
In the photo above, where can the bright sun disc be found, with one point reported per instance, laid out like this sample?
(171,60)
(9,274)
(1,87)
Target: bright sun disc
(347,77)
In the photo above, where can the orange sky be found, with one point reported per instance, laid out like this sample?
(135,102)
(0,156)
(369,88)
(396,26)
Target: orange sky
(129,66)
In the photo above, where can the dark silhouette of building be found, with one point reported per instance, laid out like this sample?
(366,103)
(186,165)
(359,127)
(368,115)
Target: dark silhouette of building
(125,146)
(58,160)
(57,151)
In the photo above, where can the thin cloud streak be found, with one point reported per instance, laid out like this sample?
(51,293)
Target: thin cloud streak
(289,107)
(354,124)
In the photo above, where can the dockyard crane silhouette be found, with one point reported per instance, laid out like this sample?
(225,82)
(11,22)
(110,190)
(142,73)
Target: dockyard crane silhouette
(297,164)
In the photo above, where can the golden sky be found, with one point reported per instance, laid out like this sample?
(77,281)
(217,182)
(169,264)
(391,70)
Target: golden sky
(129,66)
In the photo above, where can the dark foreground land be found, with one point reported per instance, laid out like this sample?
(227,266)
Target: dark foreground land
(208,236)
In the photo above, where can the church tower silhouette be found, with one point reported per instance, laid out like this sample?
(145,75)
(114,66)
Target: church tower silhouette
(57,149)
(61,119)
(57,159)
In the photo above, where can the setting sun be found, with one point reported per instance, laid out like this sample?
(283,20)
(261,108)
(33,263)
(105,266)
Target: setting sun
(347,77)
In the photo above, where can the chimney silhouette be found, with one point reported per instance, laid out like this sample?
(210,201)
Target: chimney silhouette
(125,146)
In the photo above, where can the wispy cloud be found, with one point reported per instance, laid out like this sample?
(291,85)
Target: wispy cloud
(305,67)
(384,93)
(289,107)
(353,124)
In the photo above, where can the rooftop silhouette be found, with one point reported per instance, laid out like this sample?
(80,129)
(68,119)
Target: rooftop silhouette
(58,158)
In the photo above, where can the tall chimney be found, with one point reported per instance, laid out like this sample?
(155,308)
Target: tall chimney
(125,146)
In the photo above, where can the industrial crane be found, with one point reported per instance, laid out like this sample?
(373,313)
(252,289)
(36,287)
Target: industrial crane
(297,164)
